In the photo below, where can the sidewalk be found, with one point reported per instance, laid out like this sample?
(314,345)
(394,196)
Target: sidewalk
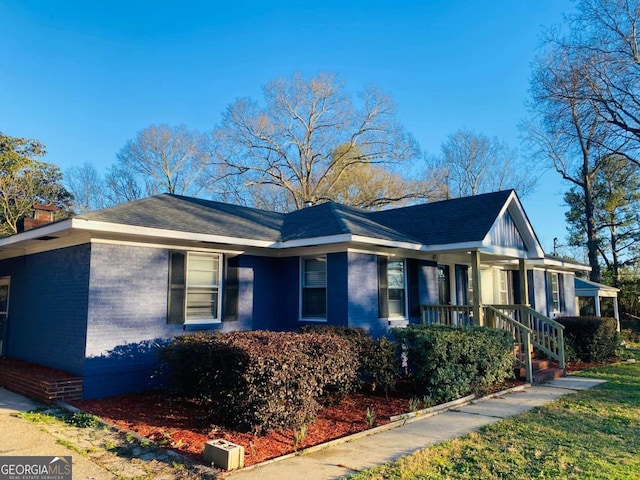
(19,437)
(349,457)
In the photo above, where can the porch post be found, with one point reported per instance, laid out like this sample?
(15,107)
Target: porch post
(524,282)
(597,299)
(477,294)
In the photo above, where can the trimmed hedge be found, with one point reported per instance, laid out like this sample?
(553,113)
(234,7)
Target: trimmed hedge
(448,362)
(377,358)
(260,381)
(590,339)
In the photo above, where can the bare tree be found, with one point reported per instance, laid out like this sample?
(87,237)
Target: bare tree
(159,159)
(472,163)
(290,143)
(567,130)
(87,187)
(602,44)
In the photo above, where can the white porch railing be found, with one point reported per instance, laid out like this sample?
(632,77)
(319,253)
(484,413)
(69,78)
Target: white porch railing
(521,337)
(529,328)
(461,315)
(547,334)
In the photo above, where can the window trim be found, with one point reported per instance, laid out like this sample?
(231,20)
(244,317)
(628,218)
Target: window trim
(553,292)
(302,286)
(405,303)
(185,288)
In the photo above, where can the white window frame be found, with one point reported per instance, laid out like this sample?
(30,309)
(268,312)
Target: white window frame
(555,292)
(405,295)
(301,317)
(216,288)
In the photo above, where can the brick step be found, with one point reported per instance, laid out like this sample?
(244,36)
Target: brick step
(548,374)
(542,364)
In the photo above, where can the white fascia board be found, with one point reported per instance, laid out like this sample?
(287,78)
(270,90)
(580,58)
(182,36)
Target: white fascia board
(162,233)
(310,242)
(448,247)
(47,230)
(386,243)
(559,263)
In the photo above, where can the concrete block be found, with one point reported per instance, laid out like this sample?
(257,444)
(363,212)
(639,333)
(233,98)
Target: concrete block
(223,454)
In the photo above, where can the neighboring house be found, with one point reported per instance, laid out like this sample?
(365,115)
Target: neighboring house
(596,299)
(94,294)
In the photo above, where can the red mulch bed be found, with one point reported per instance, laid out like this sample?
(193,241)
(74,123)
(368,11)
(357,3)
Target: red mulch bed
(185,425)
(34,370)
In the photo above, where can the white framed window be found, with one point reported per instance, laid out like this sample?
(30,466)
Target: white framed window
(554,287)
(313,288)
(195,281)
(392,292)
(396,288)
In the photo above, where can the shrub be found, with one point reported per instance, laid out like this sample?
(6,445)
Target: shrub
(377,358)
(260,381)
(590,339)
(449,362)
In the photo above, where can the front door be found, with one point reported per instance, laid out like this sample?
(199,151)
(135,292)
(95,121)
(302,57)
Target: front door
(4,313)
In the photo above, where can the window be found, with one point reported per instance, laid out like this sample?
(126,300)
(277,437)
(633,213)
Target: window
(194,287)
(391,288)
(314,287)
(554,286)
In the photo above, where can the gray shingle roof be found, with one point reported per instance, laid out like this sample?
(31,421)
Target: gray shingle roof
(459,220)
(193,215)
(451,221)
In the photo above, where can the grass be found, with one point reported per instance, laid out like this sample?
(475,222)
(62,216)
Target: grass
(593,434)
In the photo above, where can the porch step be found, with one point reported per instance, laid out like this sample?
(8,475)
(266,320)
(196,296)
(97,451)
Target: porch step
(548,374)
(543,370)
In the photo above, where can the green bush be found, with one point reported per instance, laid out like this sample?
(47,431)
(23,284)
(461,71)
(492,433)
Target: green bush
(377,358)
(260,381)
(450,362)
(590,339)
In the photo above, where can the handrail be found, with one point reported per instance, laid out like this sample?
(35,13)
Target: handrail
(548,335)
(522,336)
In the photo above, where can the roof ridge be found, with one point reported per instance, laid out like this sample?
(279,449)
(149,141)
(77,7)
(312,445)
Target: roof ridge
(333,207)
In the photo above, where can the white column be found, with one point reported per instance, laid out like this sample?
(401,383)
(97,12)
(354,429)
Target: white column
(597,299)
(477,293)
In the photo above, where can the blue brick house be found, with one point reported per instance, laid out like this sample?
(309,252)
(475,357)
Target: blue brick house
(95,294)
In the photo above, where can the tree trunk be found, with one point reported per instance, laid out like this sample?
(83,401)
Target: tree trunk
(592,238)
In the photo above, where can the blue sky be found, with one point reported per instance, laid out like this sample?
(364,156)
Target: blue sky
(85,77)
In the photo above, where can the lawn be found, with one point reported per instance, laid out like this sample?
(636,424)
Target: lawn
(594,434)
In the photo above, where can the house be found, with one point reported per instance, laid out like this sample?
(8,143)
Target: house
(95,294)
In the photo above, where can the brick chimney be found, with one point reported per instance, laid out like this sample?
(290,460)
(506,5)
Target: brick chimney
(42,214)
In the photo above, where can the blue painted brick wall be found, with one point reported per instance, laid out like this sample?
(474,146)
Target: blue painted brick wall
(128,313)
(48,307)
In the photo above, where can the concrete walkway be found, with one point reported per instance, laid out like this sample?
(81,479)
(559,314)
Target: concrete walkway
(21,438)
(349,457)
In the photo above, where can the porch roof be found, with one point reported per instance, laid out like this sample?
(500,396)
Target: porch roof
(588,288)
